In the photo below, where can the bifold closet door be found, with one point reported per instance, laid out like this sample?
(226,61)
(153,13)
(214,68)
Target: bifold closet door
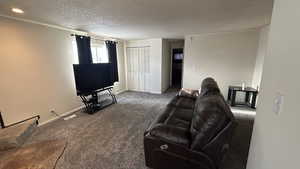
(138,68)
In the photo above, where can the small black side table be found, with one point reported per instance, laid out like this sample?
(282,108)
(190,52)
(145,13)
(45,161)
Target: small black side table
(248,90)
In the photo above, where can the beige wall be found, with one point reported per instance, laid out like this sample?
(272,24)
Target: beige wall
(36,71)
(276,138)
(177,44)
(261,53)
(227,57)
(121,85)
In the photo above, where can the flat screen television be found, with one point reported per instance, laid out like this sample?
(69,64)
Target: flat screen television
(91,77)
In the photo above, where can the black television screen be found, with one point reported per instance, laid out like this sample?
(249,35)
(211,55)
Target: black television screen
(91,77)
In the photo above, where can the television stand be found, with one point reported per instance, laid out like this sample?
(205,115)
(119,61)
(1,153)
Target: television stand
(92,103)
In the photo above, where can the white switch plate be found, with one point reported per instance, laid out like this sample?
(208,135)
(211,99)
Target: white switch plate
(278,103)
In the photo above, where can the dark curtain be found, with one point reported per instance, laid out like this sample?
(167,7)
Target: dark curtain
(84,49)
(112,55)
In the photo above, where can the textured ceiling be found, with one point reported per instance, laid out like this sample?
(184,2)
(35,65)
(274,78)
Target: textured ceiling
(139,19)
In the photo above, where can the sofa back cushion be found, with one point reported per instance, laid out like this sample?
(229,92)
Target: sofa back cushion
(209,118)
(209,86)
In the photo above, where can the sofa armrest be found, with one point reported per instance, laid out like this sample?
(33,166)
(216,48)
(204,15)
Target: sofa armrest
(164,154)
(171,134)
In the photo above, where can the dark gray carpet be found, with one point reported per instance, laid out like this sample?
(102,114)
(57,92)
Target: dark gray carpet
(113,137)
(238,153)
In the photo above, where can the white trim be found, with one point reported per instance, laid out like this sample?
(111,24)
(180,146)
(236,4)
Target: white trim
(85,33)
(227,32)
(62,115)
(45,24)
(125,63)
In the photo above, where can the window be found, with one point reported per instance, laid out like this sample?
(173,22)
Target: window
(99,53)
(75,53)
(98,49)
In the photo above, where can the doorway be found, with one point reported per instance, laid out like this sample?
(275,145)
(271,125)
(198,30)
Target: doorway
(177,67)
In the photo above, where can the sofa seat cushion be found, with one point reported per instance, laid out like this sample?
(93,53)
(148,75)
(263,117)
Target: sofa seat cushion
(172,134)
(179,117)
(183,102)
(174,121)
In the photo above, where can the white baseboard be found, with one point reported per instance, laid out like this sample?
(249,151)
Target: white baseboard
(151,92)
(156,92)
(121,91)
(62,115)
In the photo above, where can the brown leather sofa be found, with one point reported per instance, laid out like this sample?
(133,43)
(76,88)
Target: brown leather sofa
(192,132)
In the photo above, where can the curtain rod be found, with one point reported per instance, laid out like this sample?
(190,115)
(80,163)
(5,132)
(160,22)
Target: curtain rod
(96,38)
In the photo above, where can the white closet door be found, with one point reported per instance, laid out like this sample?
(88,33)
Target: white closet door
(138,68)
(129,52)
(141,69)
(147,69)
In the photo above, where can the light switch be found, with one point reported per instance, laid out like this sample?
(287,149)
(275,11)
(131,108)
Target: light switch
(278,103)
